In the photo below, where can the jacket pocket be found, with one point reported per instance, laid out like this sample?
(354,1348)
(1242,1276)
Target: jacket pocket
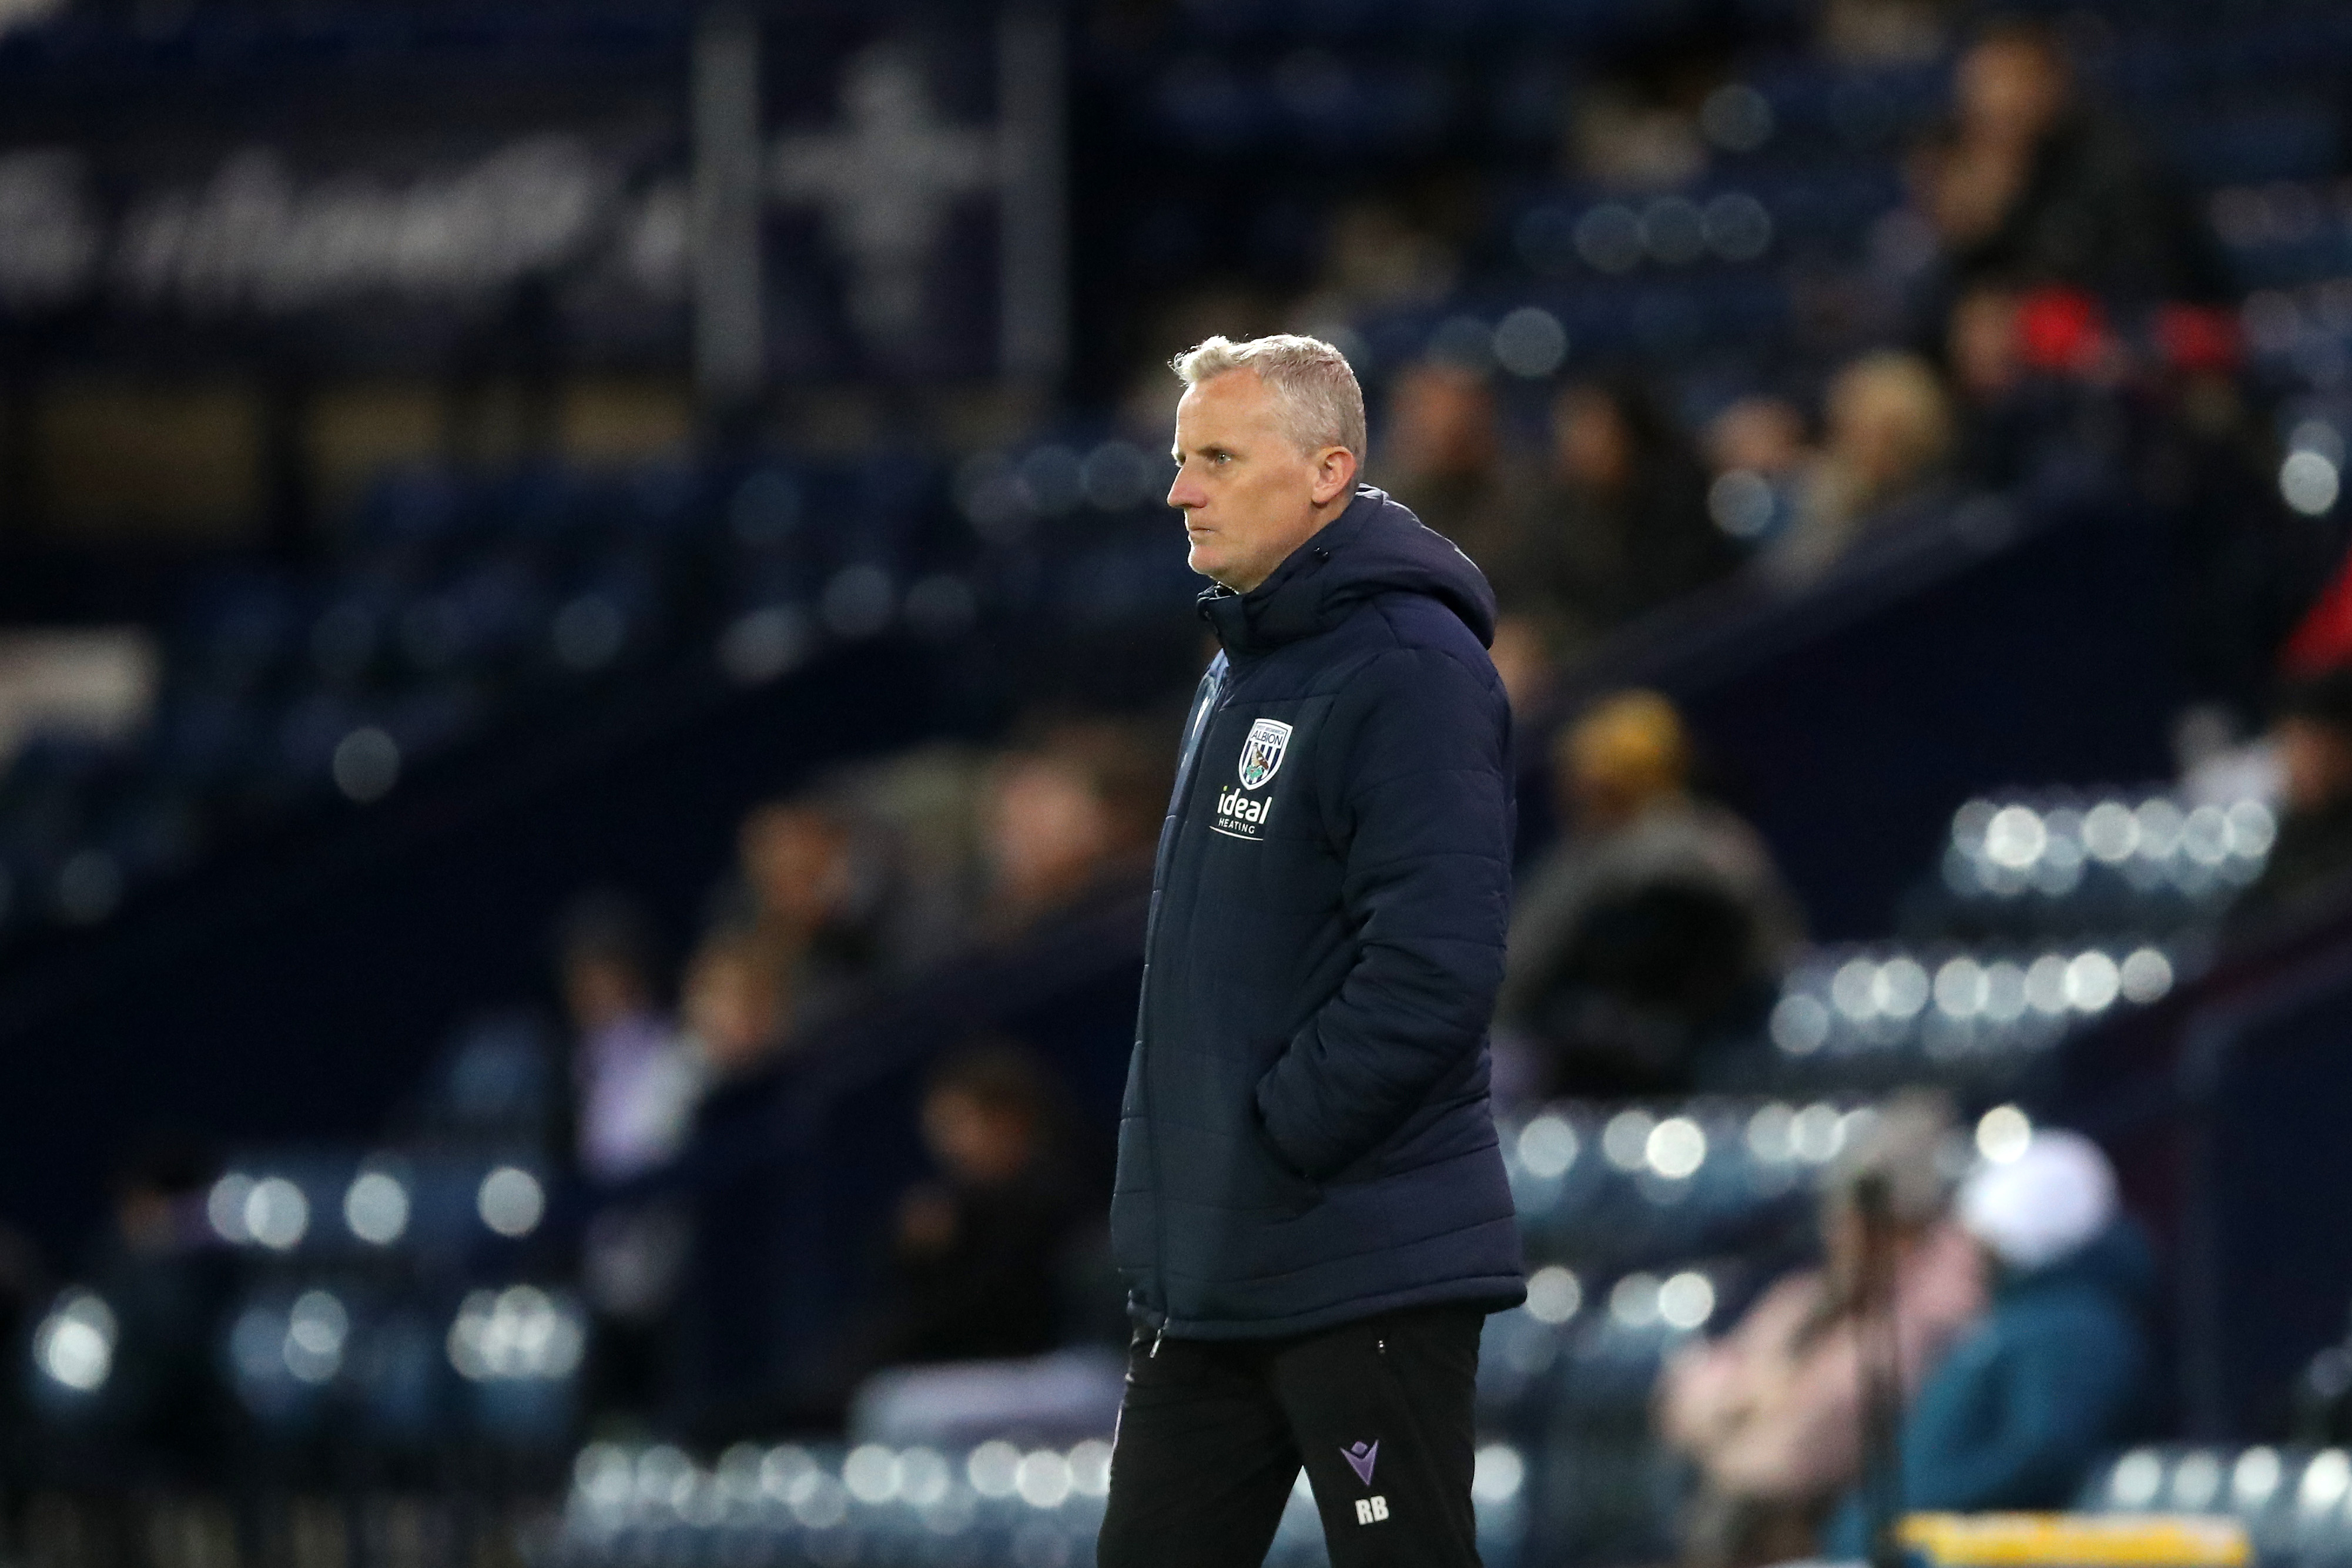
(1288,1189)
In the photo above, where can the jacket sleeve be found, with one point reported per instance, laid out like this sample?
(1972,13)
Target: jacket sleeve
(1417,753)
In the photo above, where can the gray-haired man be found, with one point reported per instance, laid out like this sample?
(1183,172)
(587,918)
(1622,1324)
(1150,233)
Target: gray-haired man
(1311,1208)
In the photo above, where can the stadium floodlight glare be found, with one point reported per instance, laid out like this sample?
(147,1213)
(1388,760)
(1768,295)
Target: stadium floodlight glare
(781,1465)
(2005,1000)
(1043,1478)
(1090,1468)
(818,1501)
(375,1208)
(1497,1474)
(224,1208)
(1554,1294)
(2016,838)
(871,1473)
(1853,990)
(1625,1140)
(2002,1133)
(2325,1482)
(512,1201)
(1676,1148)
(1633,1301)
(1799,1025)
(1529,342)
(1961,988)
(991,1469)
(316,1330)
(2110,832)
(1816,1133)
(2255,1477)
(2146,976)
(602,1476)
(1686,1301)
(2160,822)
(663,1476)
(924,1479)
(1741,503)
(277,1215)
(1547,1147)
(2309,483)
(1900,988)
(520,1332)
(2136,1478)
(74,1346)
(366,764)
(2195,1481)
(1769,1133)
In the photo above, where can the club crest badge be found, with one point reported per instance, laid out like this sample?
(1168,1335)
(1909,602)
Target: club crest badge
(1261,752)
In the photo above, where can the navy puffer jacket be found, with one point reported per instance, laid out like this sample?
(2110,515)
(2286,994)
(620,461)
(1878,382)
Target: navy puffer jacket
(1306,1137)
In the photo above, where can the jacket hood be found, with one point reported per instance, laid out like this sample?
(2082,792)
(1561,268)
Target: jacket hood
(1374,547)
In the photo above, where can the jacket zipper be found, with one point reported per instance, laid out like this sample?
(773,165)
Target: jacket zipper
(1213,687)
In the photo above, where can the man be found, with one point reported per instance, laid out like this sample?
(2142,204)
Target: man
(1311,1209)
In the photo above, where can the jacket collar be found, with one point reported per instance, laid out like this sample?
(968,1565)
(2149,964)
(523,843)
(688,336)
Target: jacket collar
(1290,604)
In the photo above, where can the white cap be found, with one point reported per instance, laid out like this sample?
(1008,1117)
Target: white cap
(2046,1203)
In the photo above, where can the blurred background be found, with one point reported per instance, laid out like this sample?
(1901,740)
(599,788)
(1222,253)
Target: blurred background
(590,656)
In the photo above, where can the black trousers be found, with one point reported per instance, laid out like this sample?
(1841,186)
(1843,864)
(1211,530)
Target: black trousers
(1211,1434)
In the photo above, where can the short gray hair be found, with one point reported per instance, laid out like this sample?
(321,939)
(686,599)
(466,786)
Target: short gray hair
(1321,403)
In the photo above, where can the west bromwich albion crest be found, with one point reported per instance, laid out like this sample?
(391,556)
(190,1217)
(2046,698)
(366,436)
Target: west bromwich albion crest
(1261,752)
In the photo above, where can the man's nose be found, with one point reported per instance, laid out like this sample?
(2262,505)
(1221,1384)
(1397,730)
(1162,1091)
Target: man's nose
(1184,494)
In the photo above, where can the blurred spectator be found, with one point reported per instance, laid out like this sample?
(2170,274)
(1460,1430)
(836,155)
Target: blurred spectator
(1443,460)
(2312,741)
(1759,433)
(980,1255)
(1889,432)
(2001,426)
(1656,929)
(2030,186)
(2247,566)
(720,1348)
(1638,130)
(817,886)
(635,1085)
(1885,32)
(1523,661)
(1375,258)
(1756,456)
(2056,1373)
(1065,818)
(733,1005)
(1621,528)
(1770,1413)
(168,1280)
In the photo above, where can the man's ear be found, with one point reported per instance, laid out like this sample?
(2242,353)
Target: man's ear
(1335,474)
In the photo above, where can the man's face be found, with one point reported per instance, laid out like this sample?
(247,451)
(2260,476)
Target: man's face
(1249,495)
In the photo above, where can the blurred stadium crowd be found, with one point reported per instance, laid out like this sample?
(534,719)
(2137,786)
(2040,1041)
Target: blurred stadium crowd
(1907,442)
